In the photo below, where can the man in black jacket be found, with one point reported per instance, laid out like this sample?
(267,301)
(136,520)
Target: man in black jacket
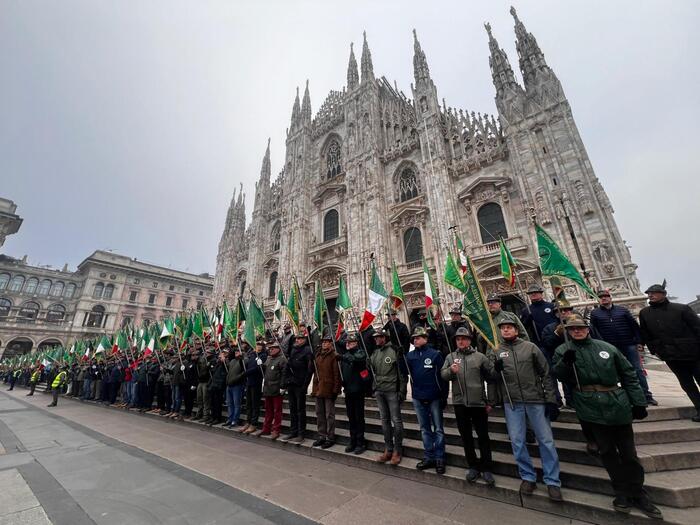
(297,375)
(672,332)
(398,332)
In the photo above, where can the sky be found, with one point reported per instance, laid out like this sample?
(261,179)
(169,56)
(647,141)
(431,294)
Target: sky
(127,125)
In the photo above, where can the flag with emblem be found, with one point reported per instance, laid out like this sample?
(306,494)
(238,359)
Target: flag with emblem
(279,305)
(342,306)
(453,275)
(461,254)
(553,262)
(376,298)
(475,307)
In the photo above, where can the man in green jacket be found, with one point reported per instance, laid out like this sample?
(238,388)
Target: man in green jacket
(607,398)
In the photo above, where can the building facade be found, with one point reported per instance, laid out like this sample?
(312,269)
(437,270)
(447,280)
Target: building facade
(379,175)
(44,307)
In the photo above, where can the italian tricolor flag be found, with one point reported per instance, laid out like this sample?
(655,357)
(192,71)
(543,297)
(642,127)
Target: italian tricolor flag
(104,345)
(430,293)
(377,297)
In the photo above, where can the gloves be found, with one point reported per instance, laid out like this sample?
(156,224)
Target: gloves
(552,412)
(402,397)
(570,356)
(498,365)
(639,412)
(258,361)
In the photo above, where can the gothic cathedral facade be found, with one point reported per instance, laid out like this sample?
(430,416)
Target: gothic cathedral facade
(376,174)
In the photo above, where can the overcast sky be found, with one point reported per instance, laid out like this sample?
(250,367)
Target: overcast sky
(126,125)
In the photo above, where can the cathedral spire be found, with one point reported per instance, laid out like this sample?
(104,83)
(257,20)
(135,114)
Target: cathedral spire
(366,61)
(531,57)
(353,76)
(421,72)
(265,170)
(296,111)
(306,105)
(501,72)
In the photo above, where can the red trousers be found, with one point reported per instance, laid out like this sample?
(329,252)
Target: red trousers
(273,414)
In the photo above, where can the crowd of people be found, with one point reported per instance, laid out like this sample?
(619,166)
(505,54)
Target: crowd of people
(595,361)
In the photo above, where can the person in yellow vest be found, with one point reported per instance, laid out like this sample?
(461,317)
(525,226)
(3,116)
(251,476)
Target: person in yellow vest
(34,379)
(57,384)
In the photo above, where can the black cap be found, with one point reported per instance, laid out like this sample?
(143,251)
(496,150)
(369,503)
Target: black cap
(493,298)
(656,288)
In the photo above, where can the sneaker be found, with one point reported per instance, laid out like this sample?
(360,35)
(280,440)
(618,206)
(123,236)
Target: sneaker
(527,487)
(622,504)
(472,475)
(328,443)
(554,493)
(440,466)
(647,507)
(384,456)
(425,464)
(350,448)
(488,478)
(652,402)
(395,458)
(320,441)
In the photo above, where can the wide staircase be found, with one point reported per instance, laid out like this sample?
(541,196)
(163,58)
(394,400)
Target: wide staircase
(668,444)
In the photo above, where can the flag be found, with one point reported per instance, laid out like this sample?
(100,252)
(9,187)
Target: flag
(320,308)
(453,275)
(150,346)
(120,341)
(397,297)
(508,263)
(254,323)
(279,305)
(198,324)
(430,293)
(475,307)
(461,253)
(294,304)
(342,305)
(103,345)
(377,297)
(168,328)
(554,262)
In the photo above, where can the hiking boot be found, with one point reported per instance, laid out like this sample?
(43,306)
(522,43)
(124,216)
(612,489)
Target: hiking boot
(242,429)
(251,429)
(488,478)
(384,456)
(320,441)
(622,504)
(554,493)
(328,443)
(298,440)
(274,436)
(425,464)
(395,458)
(350,448)
(647,507)
(440,466)
(527,487)
(472,475)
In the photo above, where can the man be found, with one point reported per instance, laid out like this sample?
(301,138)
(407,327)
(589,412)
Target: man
(57,384)
(538,314)
(203,376)
(235,384)
(326,387)
(616,326)
(253,385)
(14,375)
(272,391)
(400,336)
(356,376)
(287,339)
(424,365)
(672,332)
(596,368)
(553,336)
(191,383)
(216,387)
(527,391)
(468,370)
(389,390)
(493,301)
(297,375)
(34,379)
(457,321)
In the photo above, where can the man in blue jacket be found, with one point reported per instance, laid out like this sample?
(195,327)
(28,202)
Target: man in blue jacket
(616,326)
(538,314)
(428,388)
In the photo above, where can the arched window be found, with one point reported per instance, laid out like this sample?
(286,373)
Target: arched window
(31,285)
(333,160)
(4,279)
(109,291)
(57,289)
(276,234)
(70,291)
(97,292)
(44,287)
(56,313)
(330,226)
(273,285)
(412,245)
(28,312)
(5,307)
(491,223)
(16,283)
(95,317)
(408,185)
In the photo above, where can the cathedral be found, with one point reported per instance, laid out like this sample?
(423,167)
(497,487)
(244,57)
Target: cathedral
(378,176)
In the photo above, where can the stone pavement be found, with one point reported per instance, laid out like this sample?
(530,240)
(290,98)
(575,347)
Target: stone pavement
(118,467)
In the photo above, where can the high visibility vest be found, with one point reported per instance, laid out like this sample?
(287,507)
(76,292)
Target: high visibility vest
(35,376)
(58,380)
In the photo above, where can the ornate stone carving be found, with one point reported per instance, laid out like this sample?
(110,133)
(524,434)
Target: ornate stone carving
(541,210)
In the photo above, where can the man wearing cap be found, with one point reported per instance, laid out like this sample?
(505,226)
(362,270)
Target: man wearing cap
(57,384)
(527,391)
(552,337)
(235,385)
(326,387)
(468,370)
(427,389)
(493,301)
(389,368)
(598,369)
(538,314)
(400,336)
(672,332)
(287,339)
(296,379)
(253,385)
(616,326)
(272,390)
(456,322)
(356,377)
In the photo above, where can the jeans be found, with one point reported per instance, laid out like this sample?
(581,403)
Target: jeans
(632,355)
(134,393)
(177,398)
(429,415)
(688,375)
(516,421)
(273,415)
(234,396)
(619,456)
(203,401)
(87,388)
(478,419)
(390,413)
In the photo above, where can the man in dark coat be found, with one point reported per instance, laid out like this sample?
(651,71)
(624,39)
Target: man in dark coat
(356,375)
(672,332)
(398,331)
(538,314)
(297,376)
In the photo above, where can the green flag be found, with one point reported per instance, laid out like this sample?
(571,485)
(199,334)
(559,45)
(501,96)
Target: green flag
(320,308)
(397,297)
(294,304)
(254,323)
(342,305)
(453,275)
(279,304)
(168,328)
(475,307)
(508,263)
(198,324)
(554,262)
